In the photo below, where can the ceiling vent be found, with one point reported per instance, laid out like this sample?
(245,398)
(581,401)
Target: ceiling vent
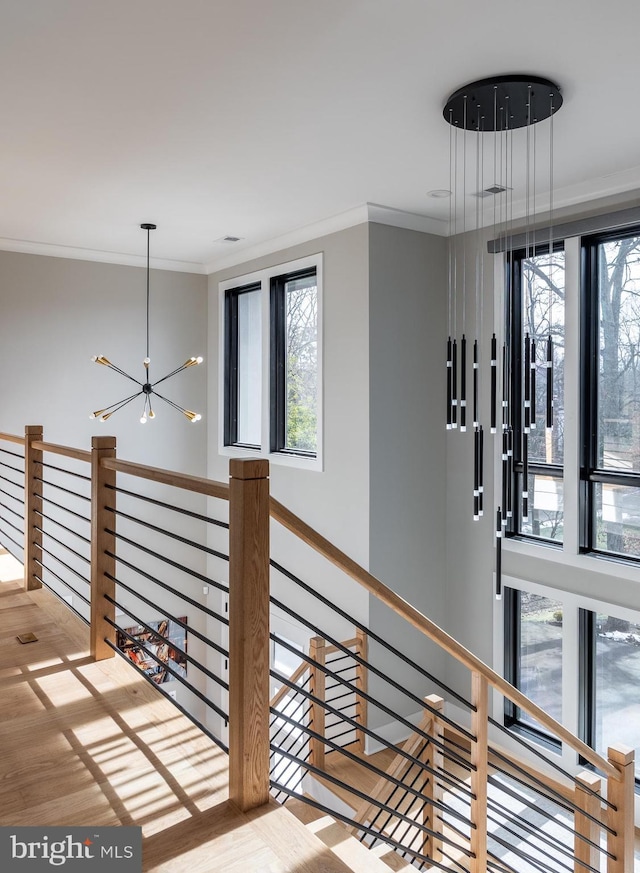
(492,191)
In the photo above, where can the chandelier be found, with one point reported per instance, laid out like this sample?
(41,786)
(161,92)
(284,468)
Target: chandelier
(147,388)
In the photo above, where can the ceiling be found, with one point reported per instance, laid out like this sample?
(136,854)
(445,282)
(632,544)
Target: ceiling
(266,118)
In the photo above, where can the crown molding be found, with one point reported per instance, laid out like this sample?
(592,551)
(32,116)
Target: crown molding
(78,254)
(373,212)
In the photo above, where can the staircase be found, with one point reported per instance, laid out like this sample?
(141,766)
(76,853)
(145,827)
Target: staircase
(453,789)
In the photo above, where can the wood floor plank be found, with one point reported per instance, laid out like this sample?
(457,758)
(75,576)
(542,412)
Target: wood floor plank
(87,743)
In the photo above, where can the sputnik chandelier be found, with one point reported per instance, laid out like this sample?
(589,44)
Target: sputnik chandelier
(495,110)
(146,388)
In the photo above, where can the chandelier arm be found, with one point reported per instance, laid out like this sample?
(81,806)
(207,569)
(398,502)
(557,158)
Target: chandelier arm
(170,402)
(122,373)
(172,373)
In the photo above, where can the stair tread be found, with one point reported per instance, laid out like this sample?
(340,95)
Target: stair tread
(349,850)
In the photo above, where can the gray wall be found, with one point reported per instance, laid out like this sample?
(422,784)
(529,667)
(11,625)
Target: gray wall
(408,488)
(56,313)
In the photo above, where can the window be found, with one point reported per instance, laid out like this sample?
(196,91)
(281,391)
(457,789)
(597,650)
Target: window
(294,363)
(243,356)
(533,655)
(537,313)
(609,669)
(271,361)
(611,396)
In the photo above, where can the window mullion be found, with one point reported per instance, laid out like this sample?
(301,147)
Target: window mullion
(572,369)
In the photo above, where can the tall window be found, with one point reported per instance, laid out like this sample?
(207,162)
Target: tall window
(294,363)
(533,655)
(243,353)
(537,312)
(271,333)
(611,396)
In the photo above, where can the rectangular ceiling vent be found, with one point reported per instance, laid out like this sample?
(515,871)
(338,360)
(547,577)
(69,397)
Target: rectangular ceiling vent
(492,191)
(229,239)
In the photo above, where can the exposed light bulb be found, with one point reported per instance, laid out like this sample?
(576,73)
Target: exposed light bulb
(152,414)
(146,362)
(198,417)
(94,358)
(143,419)
(199,359)
(105,416)
(92,415)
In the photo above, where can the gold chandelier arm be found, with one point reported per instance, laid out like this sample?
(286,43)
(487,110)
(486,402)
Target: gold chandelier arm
(192,416)
(100,359)
(190,362)
(108,411)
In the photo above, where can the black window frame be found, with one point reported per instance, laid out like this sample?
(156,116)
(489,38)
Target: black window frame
(590,473)
(516,335)
(512,653)
(277,365)
(231,297)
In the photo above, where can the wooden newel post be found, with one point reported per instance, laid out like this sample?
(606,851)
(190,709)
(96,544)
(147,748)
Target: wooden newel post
(479,775)
(249,632)
(32,507)
(361,683)
(432,758)
(621,794)
(586,830)
(102,565)
(317,647)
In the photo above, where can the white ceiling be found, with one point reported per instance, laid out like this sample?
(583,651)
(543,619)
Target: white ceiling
(260,117)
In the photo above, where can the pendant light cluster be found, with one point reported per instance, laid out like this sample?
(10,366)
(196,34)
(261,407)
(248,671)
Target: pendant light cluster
(502,111)
(147,388)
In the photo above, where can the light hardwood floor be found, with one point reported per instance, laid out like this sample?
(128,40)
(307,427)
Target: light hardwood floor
(92,744)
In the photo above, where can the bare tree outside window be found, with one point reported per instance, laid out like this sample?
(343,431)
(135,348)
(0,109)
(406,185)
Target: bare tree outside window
(301,425)
(543,278)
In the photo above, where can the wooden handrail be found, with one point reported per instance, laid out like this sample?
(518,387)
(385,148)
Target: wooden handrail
(67,451)
(11,438)
(390,598)
(168,477)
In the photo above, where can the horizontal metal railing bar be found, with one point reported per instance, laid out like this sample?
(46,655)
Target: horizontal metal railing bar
(62,600)
(168,477)
(335,737)
(295,740)
(453,861)
(12,438)
(62,488)
(444,747)
(11,539)
(4,506)
(67,451)
(317,771)
(339,697)
(371,733)
(537,833)
(205,730)
(68,567)
(401,799)
(371,634)
(66,509)
(293,714)
(283,691)
(431,630)
(529,777)
(570,809)
(12,525)
(13,454)
(343,670)
(538,753)
(174,536)
(534,862)
(64,527)
(60,543)
(194,573)
(283,789)
(189,628)
(169,670)
(188,658)
(498,865)
(10,467)
(169,588)
(18,485)
(170,506)
(63,470)
(12,496)
(63,582)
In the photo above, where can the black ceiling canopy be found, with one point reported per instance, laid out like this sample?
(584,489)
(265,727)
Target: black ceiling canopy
(502,103)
